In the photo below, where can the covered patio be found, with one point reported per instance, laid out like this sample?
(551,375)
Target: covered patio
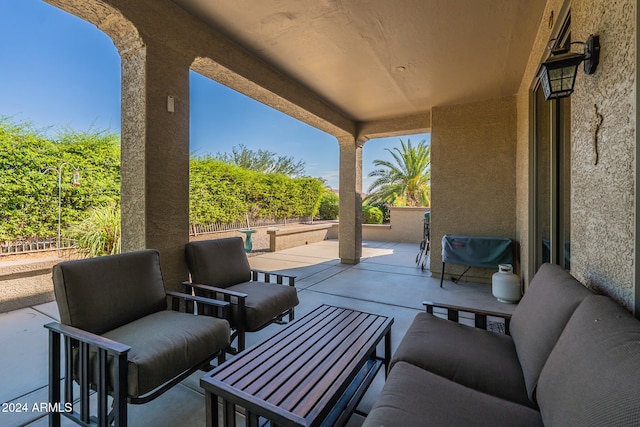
(363,78)
(386,282)
(557,177)
(465,71)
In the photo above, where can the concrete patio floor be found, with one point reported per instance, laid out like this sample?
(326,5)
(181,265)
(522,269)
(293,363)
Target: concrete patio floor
(386,282)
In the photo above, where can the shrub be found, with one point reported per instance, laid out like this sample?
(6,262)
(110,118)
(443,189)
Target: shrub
(329,205)
(371,215)
(99,233)
(384,208)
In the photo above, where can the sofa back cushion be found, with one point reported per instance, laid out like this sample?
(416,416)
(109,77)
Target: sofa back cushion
(104,293)
(592,376)
(541,316)
(221,262)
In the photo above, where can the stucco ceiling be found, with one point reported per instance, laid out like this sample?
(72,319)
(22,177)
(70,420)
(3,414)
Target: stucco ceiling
(380,59)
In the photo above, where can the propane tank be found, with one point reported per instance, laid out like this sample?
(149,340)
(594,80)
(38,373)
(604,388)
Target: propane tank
(505,285)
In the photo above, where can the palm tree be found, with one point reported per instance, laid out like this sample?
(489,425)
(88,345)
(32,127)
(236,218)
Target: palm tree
(405,182)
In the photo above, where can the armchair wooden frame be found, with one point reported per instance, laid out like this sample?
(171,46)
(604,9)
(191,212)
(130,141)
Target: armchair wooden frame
(479,316)
(64,338)
(239,299)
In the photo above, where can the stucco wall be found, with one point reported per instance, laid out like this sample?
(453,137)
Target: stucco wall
(473,152)
(603,196)
(603,237)
(406,225)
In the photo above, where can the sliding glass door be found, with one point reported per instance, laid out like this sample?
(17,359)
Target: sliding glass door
(552,181)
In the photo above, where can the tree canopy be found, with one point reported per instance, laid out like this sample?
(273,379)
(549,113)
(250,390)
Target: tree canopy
(262,161)
(405,181)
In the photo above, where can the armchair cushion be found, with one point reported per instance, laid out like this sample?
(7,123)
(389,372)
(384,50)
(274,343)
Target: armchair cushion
(541,316)
(103,293)
(165,344)
(476,358)
(264,302)
(221,263)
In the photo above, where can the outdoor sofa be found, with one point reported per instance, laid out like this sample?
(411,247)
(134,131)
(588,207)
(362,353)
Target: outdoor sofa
(572,359)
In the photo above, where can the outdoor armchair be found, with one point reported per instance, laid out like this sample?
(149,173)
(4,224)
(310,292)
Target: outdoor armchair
(220,269)
(120,340)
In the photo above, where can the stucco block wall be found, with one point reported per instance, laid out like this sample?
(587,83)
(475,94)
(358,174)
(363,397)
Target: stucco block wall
(298,236)
(26,282)
(407,223)
(473,152)
(603,230)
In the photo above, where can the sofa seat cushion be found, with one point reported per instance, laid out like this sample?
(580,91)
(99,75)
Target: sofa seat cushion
(541,316)
(483,360)
(264,302)
(592,376)
(165,344)
(415,397)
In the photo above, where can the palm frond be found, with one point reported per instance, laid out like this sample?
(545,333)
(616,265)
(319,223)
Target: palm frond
(407,177)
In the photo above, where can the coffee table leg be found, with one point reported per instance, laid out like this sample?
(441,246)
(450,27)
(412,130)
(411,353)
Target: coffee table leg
(252,419)
(211,403)
(387,352)
(229,414)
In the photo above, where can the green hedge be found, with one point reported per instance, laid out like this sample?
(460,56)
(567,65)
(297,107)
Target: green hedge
(29,197)
(219,192)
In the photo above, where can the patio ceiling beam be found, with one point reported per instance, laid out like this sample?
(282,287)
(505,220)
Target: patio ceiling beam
(398,126)
(268,86)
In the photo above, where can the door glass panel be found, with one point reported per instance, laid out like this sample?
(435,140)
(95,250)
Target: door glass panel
(543,179)
(552,181)
(564,202)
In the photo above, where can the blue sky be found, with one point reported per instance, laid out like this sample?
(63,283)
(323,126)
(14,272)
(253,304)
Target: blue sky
(59,72)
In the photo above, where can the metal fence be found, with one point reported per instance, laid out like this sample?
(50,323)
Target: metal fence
(34,244)
(196,229)
(43,244)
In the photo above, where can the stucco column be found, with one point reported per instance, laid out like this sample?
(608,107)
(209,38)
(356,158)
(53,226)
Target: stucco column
(155,157)
(350,234)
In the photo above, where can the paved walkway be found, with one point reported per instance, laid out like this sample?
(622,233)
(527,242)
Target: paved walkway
(385,282)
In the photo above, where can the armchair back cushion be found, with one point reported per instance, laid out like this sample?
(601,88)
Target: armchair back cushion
(541,316)
(104,293)
(221,263)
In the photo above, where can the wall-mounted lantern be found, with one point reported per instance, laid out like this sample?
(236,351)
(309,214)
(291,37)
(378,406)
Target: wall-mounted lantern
(558,72)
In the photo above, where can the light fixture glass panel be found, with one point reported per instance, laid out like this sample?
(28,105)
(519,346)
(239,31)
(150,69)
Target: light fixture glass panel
(546,86)
(558,74)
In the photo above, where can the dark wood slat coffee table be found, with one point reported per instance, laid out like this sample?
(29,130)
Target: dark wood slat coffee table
(311,373)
